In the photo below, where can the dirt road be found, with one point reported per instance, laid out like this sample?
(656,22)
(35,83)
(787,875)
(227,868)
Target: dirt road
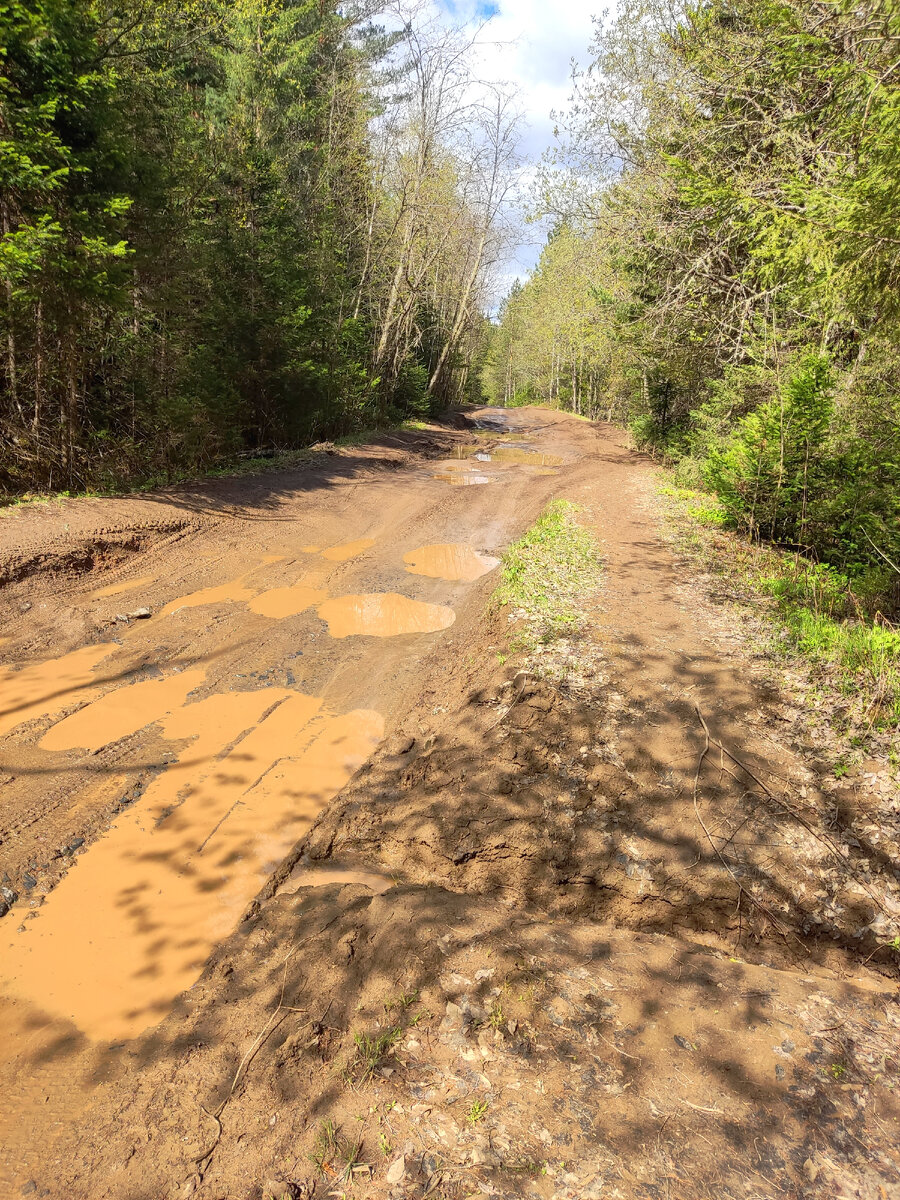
(493,873)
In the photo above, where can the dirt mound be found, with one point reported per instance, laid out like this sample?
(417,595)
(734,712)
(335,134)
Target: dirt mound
(106,551)
(422,1042)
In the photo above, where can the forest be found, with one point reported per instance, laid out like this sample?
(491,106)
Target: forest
(233,226)
(723,265)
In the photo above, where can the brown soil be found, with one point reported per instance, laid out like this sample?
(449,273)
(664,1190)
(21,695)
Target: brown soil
(603,956)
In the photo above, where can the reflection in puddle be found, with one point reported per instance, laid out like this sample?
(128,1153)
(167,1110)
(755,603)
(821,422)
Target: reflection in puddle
(115,589)
(383,614)
(348,550)
(452,562)
(286,601)
(128,930)
(46,687)
(233,591)
(511,454)
(462,478)
(121,712)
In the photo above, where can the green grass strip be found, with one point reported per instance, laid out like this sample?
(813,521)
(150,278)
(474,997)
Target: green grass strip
(547,574)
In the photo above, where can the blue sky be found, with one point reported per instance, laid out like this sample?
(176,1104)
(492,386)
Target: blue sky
(531,44)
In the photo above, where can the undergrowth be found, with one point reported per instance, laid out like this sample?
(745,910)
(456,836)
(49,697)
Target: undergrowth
(234,467)
(819,613)
(546,575)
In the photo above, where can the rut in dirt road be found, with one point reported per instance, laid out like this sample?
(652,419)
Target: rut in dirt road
(540,860)
(201,743)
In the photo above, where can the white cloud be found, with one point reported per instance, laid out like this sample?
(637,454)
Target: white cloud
(531,45)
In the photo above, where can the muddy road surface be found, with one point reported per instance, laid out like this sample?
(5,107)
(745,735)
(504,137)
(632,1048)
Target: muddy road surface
(188,678)
(319,886)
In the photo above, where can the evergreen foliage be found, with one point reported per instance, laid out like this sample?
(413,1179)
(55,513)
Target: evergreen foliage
(200,226)
(723,277)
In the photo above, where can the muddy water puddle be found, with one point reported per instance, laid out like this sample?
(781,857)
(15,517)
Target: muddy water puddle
(128,930)
(508,453)
(383,614)
(121,712)
(450,561)
(116,589)
(42,688)
(279,603)
(234,591)
(462,478)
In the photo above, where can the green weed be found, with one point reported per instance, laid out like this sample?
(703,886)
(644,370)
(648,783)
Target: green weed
(370,1051)
(546,575)
(335,1155)
(477,1111)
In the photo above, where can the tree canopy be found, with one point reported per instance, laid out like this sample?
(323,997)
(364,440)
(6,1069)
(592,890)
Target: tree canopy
(723,275)
(233,225)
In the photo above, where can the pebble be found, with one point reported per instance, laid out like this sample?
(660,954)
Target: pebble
(396,1170)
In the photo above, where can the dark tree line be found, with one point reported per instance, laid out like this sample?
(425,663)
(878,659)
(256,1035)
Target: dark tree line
(208,242)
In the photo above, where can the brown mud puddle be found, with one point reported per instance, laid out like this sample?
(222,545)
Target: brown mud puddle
(46,687)
(286,601)
(462,478)
(453,562)
(509,454)
(121,712)
(122,935)
(116,589)
(234,591)
(383,614)
(348,550)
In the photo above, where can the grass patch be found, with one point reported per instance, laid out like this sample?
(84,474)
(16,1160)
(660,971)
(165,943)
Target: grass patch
(547,574)
(337,1156)
(820,614)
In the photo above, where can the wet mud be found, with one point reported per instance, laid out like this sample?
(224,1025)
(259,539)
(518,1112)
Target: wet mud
(116,589)
(348,550)
(455,563)
(121,936)
(383,614)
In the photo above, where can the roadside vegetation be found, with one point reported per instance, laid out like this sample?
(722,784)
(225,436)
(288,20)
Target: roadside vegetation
(721,278)
(547,581)
(231,467)
(231,227)
(815,614)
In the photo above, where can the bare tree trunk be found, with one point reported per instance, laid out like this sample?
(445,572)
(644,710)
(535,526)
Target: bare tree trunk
(12,378)
(38,366)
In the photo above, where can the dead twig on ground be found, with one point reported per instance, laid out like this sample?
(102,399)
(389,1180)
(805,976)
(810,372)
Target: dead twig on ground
(764,908)
(823,838)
